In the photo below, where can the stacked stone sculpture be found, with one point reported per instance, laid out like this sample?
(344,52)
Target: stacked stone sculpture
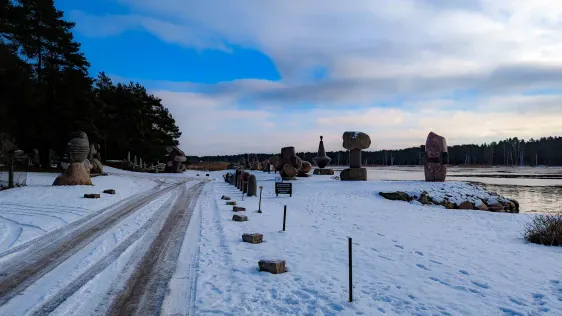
(95,159)
(436,158)
(322,160)
(77,172)
(252,187)
(288,163)
(355,142)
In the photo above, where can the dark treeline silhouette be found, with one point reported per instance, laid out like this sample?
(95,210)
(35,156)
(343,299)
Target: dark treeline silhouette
(513,151)
(46,92)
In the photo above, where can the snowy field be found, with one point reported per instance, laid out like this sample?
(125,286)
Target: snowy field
(407,259)
(29,212)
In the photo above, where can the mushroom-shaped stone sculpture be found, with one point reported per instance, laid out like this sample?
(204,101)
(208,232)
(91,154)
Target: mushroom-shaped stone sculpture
(355,142)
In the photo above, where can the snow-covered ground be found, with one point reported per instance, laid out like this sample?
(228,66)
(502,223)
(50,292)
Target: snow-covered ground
(407,259)
(29,212)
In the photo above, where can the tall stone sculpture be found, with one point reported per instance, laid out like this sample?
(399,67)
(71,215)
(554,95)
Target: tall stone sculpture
(288,163)
(97,167)
(355,142)
(252,185)
(35,160)
(77,172)
(436,158)
(274,161)
(322,160)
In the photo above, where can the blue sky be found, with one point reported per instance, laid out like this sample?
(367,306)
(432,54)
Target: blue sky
(253,76)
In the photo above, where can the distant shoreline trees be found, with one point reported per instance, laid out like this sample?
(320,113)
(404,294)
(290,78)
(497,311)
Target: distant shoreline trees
(546,151)
(46,92)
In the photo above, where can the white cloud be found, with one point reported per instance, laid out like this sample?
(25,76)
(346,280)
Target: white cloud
(420,51)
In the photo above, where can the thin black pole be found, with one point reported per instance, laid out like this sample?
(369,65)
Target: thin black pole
(259,208)
(284,217)
(350,271)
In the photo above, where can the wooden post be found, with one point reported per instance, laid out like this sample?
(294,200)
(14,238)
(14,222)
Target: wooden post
(350,270)
(10,172)
(259,208)
(284,216)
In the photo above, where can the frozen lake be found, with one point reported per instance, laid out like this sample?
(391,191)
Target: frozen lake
(536,189)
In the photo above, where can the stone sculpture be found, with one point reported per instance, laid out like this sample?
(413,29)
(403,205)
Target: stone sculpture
(252,185)
(236,178)
(77,172)
(255,165)
(304,169)
(322,160)
(97,167)
(176,158)
(266,166)
(355,142)
(288,163)
(436,158)
(274,160)
(244,182)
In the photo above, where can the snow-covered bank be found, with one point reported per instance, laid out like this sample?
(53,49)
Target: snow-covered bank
(408,259)
(29,212)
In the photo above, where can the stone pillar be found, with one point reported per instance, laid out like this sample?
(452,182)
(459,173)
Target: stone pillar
(355,158)
(252,185)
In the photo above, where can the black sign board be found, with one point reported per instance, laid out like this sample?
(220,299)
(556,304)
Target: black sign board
(283,188)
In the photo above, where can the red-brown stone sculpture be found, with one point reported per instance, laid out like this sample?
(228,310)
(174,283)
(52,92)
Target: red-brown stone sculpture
(436,158)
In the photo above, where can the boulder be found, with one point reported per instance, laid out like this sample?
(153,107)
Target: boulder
(354,174)
(239,218)
(324,172)
(75,174)
(272,266)
(424,199)
(231,203)
(395,196)
(356,140)
(252,238)
(109,191)
(238,209)
(288,172)
(482,207)
(466,205)
(305,169)
(497,207)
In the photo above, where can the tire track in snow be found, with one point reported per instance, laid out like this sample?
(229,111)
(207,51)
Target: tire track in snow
(50,237)
(52,303)
(146,289)
(22,271)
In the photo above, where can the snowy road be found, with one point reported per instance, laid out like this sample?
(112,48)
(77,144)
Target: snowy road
(118,260)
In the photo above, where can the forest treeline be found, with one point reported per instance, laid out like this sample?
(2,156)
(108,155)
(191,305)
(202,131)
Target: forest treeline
(46,92)
(513,151)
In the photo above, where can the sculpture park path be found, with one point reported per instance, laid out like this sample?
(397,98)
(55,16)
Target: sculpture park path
(128,277)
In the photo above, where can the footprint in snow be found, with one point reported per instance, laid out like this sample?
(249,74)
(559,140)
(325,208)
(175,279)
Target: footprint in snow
(419,253)
(481,285)
(510,312)
(383,257)
(380,234)
(421,266)
(463,272)
(517,301)
(399,246)
(436,262)
(557,289)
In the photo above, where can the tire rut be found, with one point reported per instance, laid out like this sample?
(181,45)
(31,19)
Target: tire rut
(22,271)
(145,291)
(55,301)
